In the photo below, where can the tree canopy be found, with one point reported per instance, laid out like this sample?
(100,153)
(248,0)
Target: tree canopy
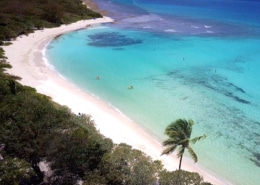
(19,17)
(179,133)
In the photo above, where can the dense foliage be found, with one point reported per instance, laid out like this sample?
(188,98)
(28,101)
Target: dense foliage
(23,16)
(35,130)
(36,133)
(180,177)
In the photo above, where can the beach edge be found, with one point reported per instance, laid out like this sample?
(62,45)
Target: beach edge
(25,54)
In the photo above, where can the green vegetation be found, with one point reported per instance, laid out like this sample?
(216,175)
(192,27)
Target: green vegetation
(125,165)
(180,177)
(36,131)
(179,133)
(19,17)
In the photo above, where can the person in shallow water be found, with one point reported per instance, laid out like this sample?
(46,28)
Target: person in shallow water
(130,87)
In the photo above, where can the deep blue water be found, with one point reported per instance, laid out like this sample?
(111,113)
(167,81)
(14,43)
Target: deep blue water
(220,18)
(192,59)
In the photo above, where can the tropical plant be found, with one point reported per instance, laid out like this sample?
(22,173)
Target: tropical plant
(179,133)
(180,177)
(125,165)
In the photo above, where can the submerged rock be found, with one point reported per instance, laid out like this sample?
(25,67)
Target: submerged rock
(111,39)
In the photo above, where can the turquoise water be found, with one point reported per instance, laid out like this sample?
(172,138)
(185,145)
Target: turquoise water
(219,90)
(205,70)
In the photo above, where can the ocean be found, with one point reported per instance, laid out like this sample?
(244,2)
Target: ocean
(190,59)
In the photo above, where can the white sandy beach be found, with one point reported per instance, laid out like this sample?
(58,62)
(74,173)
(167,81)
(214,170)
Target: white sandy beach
(25,56)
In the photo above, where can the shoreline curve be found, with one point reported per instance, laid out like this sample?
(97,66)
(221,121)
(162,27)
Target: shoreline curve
(26,57)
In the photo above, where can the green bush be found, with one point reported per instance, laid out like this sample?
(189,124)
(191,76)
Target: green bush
(180,177)
(16,19)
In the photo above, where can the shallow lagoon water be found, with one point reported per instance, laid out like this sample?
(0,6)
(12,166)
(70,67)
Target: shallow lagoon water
(210,77)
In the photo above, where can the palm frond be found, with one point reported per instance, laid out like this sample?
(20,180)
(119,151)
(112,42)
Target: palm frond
(185,127)
(184,142)
(169,149)
(181,151)
(193,154)
(179,133)
(172,133)
(171,129)
(180,128)
(171,141)
(188,129)
(196,139)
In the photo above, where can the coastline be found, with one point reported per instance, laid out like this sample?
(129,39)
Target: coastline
(26,57)
(93,6)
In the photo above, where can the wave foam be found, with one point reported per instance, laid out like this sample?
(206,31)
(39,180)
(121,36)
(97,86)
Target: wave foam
(206,26)
(196,27)
(44,58)
(170,30)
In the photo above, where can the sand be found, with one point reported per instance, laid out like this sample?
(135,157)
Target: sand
(26,57)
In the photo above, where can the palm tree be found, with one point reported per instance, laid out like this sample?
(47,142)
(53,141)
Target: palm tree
(179,133)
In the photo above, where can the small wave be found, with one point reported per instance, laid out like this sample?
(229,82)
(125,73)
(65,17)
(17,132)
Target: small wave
(44,58)
(97,27)
(119,111)
(61,76)
(142,19)
(206,26)
(46,61)
(196,27)
(147,27)
(95,96)
(208,31)
(170,30)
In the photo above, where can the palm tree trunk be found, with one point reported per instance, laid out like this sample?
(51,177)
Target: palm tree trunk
(180,162)
(179,180)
